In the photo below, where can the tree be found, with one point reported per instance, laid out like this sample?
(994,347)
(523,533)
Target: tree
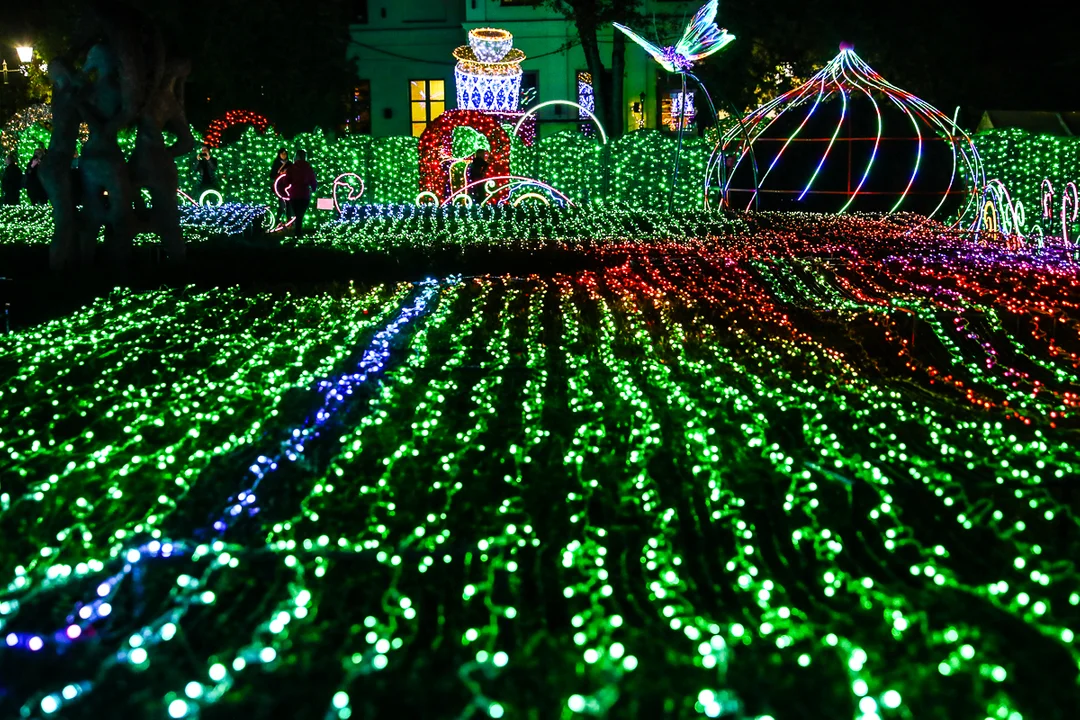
(777,43)
(589,17)
(275,58)
(286,62)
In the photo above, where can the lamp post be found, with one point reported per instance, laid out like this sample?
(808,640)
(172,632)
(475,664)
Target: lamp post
(26,55)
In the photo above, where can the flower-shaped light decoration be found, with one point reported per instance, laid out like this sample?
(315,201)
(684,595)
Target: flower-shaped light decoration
(488,72)
(848,140)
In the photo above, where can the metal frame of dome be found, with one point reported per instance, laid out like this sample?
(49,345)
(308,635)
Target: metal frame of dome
(848,75)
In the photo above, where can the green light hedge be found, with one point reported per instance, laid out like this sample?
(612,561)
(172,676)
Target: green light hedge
(1021,160)
(634,169)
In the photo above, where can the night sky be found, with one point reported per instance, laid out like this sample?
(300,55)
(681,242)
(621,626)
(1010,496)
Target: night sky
(1012,59)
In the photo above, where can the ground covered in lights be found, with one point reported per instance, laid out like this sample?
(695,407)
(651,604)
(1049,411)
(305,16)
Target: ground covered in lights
(819,469)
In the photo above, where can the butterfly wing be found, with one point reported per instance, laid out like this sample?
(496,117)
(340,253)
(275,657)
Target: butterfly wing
(702,37)
(657,53)
(705,16)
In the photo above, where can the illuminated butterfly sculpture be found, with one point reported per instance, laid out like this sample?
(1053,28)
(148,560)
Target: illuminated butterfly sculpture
(701,39)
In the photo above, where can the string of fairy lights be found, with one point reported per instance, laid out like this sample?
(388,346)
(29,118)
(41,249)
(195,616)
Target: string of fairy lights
(420,227)
(33,224)
(503,485)
(631,170)
(1028,165)
(734,465)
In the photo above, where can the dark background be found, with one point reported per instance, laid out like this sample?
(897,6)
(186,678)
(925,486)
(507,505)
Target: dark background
(963,52)
(287,60)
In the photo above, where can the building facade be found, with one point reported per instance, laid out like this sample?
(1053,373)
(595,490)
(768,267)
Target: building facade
(405,69)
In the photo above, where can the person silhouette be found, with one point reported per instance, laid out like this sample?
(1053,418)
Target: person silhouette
(32,181)
(206,171)
(478,170)
(11,184)
(302,182)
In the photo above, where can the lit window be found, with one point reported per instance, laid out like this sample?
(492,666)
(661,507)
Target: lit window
(358,109)
(530,88)
(674,105)
(427,100)
(585,96)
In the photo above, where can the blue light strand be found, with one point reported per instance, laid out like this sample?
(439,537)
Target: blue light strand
(231,218)
(85,614)
(371,365)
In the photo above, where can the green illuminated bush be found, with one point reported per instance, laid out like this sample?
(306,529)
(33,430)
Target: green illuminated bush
(635,169)
(572,163)
(1021,160)
(640,168)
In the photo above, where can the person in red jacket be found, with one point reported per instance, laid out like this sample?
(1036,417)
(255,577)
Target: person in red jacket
(302,180)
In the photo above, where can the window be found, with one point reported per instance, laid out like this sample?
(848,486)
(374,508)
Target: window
(585,96)
(672,107)
(530,88)
(358,109)
(427,100)
(359,12)
(670,102)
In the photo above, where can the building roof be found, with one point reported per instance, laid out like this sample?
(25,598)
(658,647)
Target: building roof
(1066,124)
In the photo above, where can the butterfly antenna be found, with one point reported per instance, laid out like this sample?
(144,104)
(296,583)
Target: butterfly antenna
(662,39)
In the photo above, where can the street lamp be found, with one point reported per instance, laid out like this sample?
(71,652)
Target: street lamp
(26,55)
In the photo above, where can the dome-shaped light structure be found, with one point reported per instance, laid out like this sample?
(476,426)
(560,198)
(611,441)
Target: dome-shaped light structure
(488,72)
(847,140)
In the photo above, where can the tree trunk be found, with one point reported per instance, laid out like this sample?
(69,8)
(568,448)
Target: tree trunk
(55,170)
(590,46)
(618,71)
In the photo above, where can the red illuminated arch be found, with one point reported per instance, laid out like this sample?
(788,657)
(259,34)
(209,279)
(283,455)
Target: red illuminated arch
(231,119)
(437,141)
